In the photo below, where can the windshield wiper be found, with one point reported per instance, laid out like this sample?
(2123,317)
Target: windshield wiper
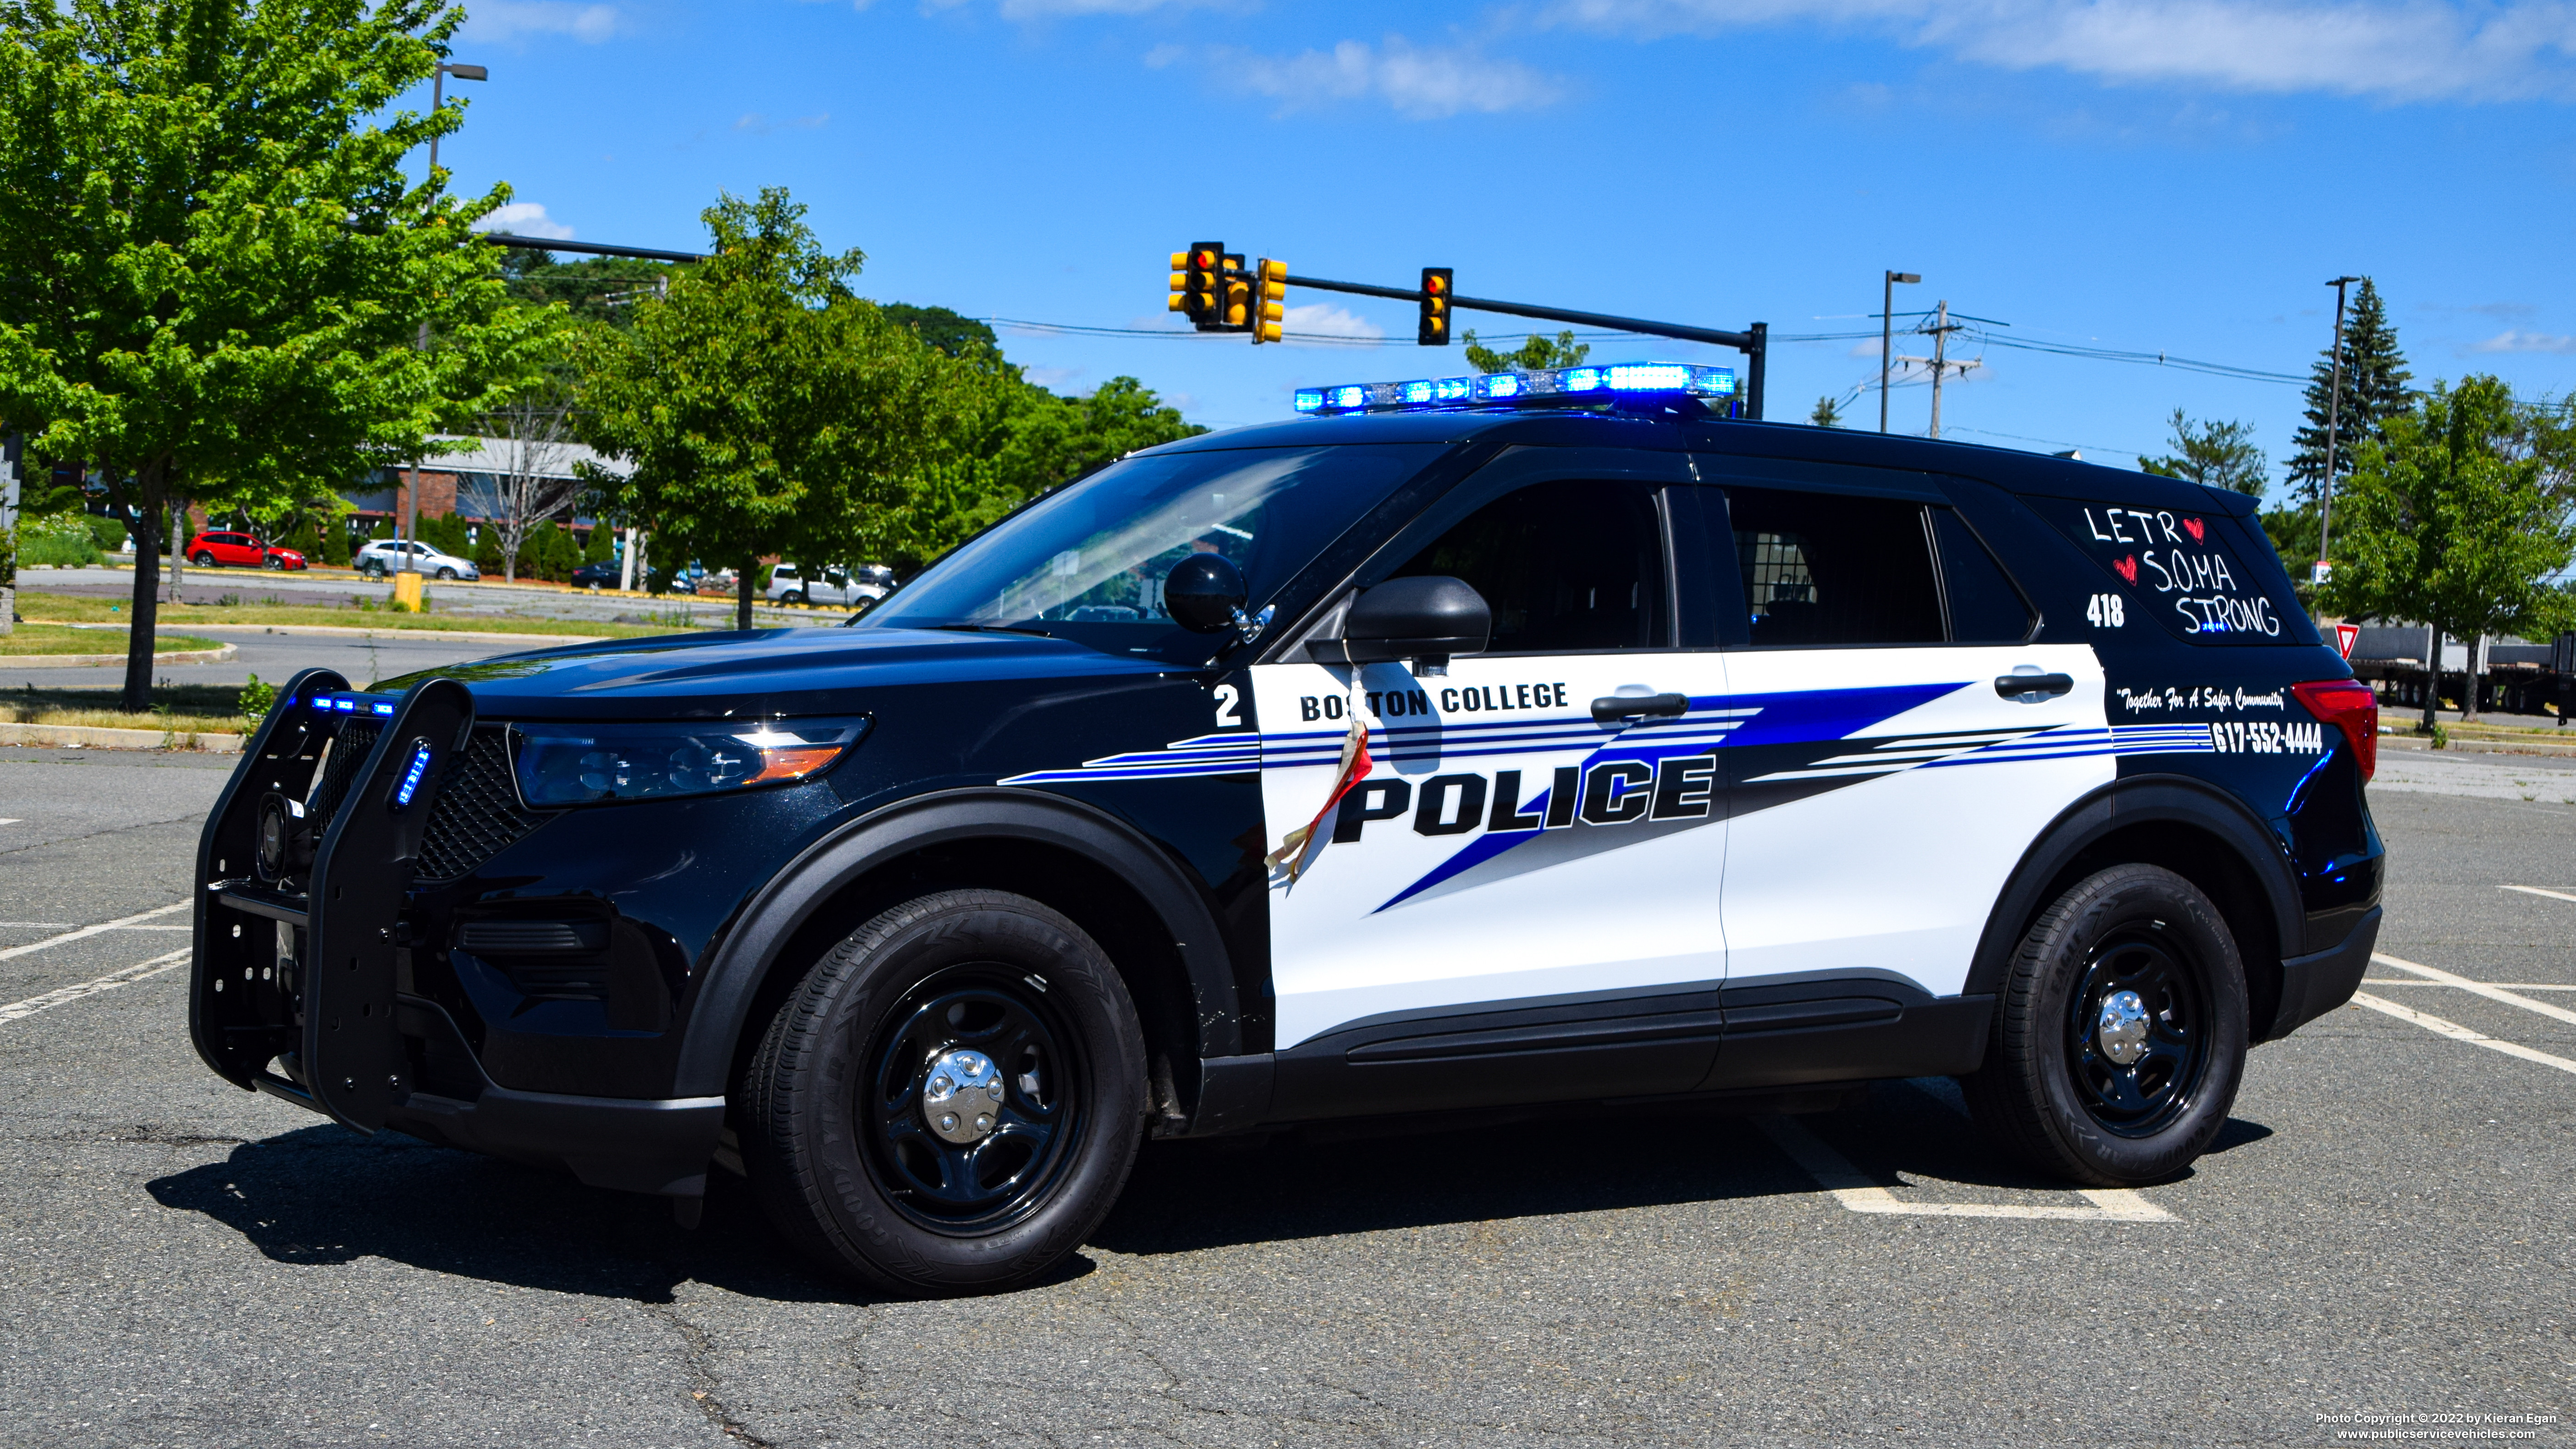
(993,629)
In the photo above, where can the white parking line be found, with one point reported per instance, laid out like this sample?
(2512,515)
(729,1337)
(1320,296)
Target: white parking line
(2499,985)
(140,971)
(116,925)
(2479,988)
(1857,1193)
(2457,1032)
(2537,891)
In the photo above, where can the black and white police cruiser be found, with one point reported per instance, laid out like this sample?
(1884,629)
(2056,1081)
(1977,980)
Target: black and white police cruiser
(1466,744)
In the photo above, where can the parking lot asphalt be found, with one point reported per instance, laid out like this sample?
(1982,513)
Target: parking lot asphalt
(2388,1226)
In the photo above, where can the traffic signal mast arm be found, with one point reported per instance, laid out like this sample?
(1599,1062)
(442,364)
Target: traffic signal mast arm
(1753,342)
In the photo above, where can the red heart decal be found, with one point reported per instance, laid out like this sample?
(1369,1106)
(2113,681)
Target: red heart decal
(2192,527)
(2127,568)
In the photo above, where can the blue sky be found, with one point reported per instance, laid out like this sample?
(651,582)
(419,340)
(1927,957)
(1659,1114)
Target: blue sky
(2173,176)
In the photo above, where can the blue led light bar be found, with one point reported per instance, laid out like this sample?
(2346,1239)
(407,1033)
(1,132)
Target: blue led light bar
(1677,378)
(353,703)
(413,773)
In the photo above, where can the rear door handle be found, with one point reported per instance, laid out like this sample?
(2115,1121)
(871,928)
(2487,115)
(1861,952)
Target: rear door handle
(1609,709)
(2023,686)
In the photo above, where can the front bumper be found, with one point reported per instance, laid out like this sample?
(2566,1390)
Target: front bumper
(302,986)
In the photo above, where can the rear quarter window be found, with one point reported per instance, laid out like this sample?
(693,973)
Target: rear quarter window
(2189,572)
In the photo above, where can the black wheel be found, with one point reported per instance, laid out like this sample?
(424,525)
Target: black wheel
(447,573)
(273,562)
(951,1099)
(793,596)
(373,568)
(2120,1033)
(204,560)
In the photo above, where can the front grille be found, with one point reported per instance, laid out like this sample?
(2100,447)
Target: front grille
(478,812)
(348,751)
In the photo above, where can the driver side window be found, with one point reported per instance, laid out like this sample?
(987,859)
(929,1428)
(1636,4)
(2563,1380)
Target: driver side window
(1567,567)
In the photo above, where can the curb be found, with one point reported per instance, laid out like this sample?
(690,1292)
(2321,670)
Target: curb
(94,661)
(100,737)
(470,636)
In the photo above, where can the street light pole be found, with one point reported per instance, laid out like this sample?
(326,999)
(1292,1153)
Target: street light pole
(411,495)
(2334,419)
(1887,336)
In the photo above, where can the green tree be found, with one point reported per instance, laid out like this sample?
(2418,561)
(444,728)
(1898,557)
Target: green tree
(212,267)
(2219,455)
(765,410)
(950,333)
(2374,390)
(2457,516)
(1534,353)
(1828,413)
(597,290)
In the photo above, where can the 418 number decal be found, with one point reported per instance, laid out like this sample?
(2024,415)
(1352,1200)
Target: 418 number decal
(2105,611)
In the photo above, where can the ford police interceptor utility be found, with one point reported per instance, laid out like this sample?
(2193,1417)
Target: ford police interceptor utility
(1462,745)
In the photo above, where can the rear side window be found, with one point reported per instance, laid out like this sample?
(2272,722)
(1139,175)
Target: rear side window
(1985,607)
(2181,570)
(1825,569)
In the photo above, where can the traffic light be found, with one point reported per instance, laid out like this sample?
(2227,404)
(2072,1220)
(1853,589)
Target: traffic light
(1434,331)
(1269,299)
(1197,275)
(1235,287)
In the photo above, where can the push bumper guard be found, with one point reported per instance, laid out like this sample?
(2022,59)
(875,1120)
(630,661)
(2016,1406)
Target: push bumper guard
(302,952)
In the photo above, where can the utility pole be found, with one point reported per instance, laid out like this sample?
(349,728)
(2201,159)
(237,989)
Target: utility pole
(2334,419)
(1887,335)
(437,98)
(1939,361)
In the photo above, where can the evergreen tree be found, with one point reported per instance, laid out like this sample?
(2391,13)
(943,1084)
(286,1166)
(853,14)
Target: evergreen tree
(2218,455)
(1828,413)
(2374,390)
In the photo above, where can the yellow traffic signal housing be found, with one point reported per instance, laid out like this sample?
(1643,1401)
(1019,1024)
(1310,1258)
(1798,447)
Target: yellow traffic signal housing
(1436,301)
(1269,300)
(1197,280)
(1236,290)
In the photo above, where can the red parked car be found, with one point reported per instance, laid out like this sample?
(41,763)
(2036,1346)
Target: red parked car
(218,548)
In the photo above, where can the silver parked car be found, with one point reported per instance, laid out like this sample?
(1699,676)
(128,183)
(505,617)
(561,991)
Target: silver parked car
(385,556)
(802,584)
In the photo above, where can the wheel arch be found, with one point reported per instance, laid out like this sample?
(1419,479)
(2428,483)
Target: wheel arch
(2187,826)
(1151,918)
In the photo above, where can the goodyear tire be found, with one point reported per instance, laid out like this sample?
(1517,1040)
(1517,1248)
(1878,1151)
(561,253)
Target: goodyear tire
(2119,1035)
(951,1099)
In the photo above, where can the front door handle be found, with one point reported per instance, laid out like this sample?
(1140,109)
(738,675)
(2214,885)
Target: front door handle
(1609,709)
(2031,688)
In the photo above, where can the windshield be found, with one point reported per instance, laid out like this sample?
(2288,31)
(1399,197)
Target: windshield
(1088,563)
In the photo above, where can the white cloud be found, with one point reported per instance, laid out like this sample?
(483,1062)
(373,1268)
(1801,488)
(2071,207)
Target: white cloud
(1325,320)
(1417,83)
(513,19)
(524,218)
(1052,378)
(2396,50)
(2515,340)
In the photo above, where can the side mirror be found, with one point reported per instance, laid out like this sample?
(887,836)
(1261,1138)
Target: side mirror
(1205,593)
(1422,619)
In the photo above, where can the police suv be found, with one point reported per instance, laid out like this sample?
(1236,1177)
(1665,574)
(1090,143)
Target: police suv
(1472,744)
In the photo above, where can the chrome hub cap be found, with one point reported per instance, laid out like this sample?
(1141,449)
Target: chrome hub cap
(2123,1027)
(961,1098)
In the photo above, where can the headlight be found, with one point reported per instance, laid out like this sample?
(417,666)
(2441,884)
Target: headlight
(563,764)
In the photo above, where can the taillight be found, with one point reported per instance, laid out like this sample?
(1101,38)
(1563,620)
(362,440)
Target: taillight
(2349,706)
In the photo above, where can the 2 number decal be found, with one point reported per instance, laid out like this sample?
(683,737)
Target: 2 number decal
(1227,697)
(2106,611)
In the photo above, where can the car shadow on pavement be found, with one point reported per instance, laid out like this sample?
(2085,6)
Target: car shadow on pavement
(1187,1196)
(323,1195)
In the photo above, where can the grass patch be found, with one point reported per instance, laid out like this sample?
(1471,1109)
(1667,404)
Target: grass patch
(27,639)
(185,708)
(91,609)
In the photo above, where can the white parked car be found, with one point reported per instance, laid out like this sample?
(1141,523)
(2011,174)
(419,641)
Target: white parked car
(800,584)
(385,556)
